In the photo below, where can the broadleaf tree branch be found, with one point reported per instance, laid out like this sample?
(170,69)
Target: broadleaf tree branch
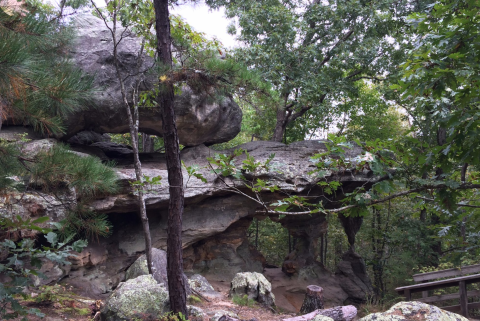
(392,196)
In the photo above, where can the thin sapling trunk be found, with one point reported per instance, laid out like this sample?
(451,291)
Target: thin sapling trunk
(133,124)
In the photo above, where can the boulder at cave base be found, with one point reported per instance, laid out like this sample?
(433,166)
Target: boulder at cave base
(254,285)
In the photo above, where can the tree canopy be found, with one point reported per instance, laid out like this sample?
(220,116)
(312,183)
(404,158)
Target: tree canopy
(312,52)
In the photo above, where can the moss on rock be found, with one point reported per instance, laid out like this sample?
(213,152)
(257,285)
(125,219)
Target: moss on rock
(136,298)
(254,285)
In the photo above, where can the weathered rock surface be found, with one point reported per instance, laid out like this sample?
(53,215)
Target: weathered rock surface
(135,298)
(17,133)
(201,118)
(88,137)
(290,291)
(221,313)
(159,267)
(322,318)
(414,311)
(215,222)
(33,205)
(353,277)
(221,256)
(50,272)
(159,263)
(201,285)
(340,313)
(255,286)
(195,313)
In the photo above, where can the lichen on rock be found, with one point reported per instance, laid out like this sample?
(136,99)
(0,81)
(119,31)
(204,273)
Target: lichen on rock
(195,313)
(141,296)
(254,285)
(414,311)
(322,318)
(220,313)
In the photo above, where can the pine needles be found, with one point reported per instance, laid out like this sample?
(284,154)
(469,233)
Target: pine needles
(61,171)
(38,86)
(61,168)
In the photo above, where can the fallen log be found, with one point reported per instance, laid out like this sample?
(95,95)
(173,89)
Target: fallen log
(343,313)
(229,318)
(340,313)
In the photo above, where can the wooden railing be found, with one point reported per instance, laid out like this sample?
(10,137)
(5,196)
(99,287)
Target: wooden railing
(458,277)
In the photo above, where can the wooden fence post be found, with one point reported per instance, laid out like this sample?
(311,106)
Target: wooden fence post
(463,298)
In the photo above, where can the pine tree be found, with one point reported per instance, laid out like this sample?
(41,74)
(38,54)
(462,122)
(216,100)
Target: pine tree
(176,282)
(39,86)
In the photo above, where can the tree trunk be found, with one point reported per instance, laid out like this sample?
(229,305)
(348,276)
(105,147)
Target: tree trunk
(326,246)
(289,242)
(133,127)
(280,126)
(256,234)
(322,249)
(176,282)
(313,299)
(377,254)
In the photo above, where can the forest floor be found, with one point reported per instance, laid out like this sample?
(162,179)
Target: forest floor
(61,304)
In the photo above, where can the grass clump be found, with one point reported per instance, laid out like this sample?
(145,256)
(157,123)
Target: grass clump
(192,299)
(243,300)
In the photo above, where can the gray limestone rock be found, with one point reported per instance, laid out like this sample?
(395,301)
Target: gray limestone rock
(195,313)
(220,313)
(352,273)
(88,137)
(159,262)
(201,117)
(255,286)
(202,286)
(17,133)
(215,221)
(136,298)
(414,311)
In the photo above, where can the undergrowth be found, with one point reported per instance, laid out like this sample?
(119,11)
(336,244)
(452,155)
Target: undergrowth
(243,300)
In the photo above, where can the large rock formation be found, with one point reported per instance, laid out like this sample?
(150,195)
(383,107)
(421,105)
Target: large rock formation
(201,117)
(215,222)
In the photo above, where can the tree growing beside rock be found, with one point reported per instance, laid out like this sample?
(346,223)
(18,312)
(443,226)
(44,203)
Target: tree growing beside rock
(39,88)
(176,281)
(130,93)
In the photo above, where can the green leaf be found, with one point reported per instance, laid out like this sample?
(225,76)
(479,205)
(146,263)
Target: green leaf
(52,238)
(41,220)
